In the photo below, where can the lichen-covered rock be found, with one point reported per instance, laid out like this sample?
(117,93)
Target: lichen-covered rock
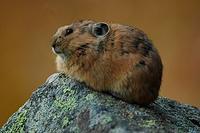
(65,105)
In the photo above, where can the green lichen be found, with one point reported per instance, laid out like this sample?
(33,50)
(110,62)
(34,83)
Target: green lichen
(68,104)
(18,125)
(68,91)
(90,97)
(66,122)
(148,123)
(31,131)
(105,119)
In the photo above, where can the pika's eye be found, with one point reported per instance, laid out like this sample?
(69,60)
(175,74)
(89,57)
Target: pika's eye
(68,31)
(100,29)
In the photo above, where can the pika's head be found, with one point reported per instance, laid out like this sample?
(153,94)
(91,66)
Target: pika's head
(79,39)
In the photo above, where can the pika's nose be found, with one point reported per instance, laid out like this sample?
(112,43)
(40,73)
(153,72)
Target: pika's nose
(56,47)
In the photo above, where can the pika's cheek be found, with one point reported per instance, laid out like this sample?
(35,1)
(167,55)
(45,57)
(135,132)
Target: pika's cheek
(63,57)
(67,53)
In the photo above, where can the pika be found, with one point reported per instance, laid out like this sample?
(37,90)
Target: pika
(113,58)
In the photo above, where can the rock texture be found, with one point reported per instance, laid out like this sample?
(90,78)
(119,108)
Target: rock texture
(65,105)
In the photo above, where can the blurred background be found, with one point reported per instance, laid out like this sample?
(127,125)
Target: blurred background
(26,28)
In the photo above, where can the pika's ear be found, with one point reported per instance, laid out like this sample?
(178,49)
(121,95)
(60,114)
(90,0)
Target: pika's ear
(100,29)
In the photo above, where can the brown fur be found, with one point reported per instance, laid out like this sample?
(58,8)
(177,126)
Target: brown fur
(123,63)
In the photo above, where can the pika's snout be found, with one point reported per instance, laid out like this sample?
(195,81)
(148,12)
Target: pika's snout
(56,48)
(59,37)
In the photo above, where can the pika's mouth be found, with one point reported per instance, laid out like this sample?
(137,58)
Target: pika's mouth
(56,50)
(56,46)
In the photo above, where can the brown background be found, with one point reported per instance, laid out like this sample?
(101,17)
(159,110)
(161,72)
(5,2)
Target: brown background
(26,29)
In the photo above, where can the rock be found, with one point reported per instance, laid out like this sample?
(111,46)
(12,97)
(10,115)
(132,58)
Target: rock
(65,105)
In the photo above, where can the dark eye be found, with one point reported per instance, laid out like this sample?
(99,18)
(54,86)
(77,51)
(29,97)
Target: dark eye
(68,31)
(100,29)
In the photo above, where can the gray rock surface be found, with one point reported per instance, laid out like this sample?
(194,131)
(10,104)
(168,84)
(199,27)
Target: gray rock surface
(65,105)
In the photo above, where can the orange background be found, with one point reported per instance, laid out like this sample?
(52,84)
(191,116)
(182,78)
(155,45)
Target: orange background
(26,28)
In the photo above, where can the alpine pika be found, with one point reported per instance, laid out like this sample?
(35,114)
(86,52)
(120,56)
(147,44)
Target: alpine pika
(112,58)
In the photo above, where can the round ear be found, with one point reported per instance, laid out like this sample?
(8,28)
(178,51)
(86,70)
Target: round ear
(100,29)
